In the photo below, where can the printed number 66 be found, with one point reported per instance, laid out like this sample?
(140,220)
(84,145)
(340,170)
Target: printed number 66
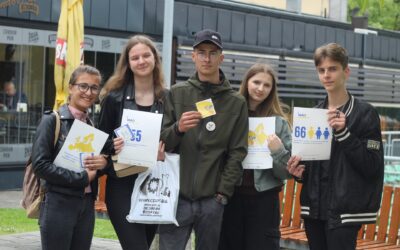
(300,132)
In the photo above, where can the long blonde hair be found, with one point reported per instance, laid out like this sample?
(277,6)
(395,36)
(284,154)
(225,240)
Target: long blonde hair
(124,75)
(271,105)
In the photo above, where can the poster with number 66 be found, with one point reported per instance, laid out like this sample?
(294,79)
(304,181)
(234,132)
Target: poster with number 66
(311,136)
(142,146)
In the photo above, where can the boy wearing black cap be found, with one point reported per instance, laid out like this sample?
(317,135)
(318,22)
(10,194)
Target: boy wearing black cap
(211,147)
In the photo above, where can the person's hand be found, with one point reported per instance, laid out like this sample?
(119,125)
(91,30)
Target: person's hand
(336,119)
(161,151)
(274,143)
(189,120)
(118,144)
(91,174)
(95,162)
(294,167)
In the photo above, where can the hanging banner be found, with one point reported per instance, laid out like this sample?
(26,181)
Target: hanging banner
(69,47)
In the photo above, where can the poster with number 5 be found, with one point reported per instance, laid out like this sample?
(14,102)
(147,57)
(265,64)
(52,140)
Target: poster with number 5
(311,136)
(141,146)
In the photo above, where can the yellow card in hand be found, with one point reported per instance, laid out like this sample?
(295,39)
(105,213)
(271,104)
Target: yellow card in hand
(206,108)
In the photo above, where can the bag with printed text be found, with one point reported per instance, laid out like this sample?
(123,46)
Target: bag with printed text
(155,195)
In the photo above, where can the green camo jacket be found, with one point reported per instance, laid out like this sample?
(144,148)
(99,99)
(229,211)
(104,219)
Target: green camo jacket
(210,161)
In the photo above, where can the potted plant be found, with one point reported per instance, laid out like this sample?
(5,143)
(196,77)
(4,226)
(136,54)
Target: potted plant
(359,12)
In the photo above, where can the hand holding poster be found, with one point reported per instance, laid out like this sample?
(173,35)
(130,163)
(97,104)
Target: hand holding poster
(312,135)
(82,140)
(259,155)
(141,131)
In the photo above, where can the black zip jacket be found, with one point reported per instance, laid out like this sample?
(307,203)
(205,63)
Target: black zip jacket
(355,171)
(57,179)
(111,114)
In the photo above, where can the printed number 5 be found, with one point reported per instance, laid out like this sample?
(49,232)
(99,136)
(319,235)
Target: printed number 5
(136,135)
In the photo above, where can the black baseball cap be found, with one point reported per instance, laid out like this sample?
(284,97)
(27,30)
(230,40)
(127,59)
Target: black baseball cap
(207,35)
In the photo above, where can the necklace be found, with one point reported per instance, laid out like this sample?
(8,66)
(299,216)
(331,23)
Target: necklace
(340,109)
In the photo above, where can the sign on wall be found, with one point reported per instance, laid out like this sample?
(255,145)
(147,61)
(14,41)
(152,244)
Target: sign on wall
(15,153)
(23,6)
(47,38)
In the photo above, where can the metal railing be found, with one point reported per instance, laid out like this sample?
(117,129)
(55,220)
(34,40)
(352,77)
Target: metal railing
(298,78)
(391,147)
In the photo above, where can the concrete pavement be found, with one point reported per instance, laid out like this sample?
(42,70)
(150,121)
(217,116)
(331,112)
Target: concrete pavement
(10,199)
(31,240)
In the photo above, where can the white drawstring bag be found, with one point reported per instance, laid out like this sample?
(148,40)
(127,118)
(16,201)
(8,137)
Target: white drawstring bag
(155,195)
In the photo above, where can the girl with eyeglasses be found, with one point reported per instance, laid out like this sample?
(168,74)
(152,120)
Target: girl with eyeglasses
(67,213)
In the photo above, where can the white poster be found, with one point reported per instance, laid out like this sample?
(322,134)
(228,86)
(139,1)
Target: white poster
(259,155)
(141,143)
(82,140)
(311,136)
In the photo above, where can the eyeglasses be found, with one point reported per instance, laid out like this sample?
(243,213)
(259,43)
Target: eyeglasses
(203,55)
(83,87)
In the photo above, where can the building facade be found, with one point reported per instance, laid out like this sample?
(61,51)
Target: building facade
(250,33)
(333,9)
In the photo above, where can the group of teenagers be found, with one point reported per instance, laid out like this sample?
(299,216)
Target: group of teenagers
(227,207)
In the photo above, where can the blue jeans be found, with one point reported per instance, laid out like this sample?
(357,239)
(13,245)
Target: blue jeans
(66,222)
(204,216)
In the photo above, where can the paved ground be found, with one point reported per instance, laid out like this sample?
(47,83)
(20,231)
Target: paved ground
(31,241)
(10,199)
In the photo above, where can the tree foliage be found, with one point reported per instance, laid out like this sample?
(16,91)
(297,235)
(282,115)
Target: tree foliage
(382,14)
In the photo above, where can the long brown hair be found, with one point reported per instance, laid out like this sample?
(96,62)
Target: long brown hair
(271,105)
(124,75)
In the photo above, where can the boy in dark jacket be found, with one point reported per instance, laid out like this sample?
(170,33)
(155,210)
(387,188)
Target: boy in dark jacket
(344,192)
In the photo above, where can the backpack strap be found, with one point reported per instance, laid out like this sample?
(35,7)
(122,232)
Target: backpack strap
(29,164)
(58,125)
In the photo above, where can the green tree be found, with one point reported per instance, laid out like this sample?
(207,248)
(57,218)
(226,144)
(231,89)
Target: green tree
(382,14)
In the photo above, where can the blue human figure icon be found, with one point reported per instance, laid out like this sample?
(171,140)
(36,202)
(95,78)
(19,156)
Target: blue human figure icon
(326,134)
(318,133)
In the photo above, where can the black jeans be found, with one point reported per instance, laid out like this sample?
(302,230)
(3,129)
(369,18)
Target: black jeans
(66,222)
(321,238)
(251,222)
(133,236)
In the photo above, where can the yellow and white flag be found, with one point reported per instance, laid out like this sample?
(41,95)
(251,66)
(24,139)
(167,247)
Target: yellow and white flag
(69,47)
